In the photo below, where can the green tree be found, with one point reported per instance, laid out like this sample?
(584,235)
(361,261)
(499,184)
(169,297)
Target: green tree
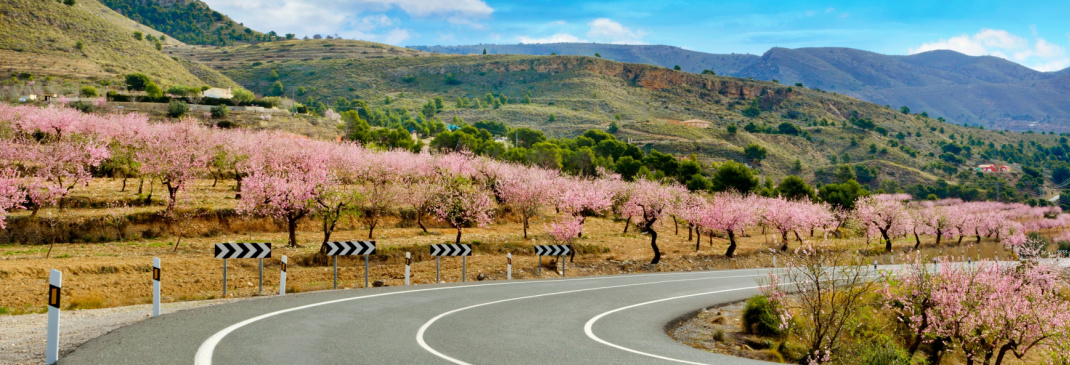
(842,195)
(79,45)
(553,118)
(677,67)
(274,75)
(69,2)
(627,167)
(844,173)
(527,137)
(598,55)
(137,81)
(153,90)
(734,176)
(276,89)
(177,109)
(89,91)
(220,111)
(755,152)
(613,128)
(243,96)
(357,129)
(138,35)
(795,188)
(732,128)
(904,109)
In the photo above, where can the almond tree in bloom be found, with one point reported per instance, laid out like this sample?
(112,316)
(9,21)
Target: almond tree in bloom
(526,190)
(382,181)
(885,213)
(648,202)
(286,186)
(565,229)
(582,198)
(460,203)
(176,154)
(991,311)
(784,215)
(55,167)
(11,194)
(731,213)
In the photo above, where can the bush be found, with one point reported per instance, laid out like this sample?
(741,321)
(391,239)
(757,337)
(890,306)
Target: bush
(759,317)
(883,352)
(89,91)
(220,111)
(177,109)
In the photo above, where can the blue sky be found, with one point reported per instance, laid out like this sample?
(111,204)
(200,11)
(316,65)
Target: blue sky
(1033,33)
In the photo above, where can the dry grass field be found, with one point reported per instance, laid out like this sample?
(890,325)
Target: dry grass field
(104,269)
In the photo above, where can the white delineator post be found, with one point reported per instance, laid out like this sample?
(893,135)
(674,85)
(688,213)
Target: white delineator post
(282,277)
(508,266)
(55,284)
(155,286)
(408,261)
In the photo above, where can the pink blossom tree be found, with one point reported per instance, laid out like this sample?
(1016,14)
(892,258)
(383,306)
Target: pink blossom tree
(176,154)
(582,198)
(526,191)
(731,213)
(648,202)
(884,213)
(460,203)
(565,230)
(286,187)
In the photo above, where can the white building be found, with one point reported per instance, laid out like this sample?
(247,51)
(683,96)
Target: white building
(217,93)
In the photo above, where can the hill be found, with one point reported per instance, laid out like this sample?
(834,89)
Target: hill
(805,131)
(986,91)
(86,41)
(659,55)
(190,21)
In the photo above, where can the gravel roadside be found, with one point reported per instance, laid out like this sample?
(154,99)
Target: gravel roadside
(22,338)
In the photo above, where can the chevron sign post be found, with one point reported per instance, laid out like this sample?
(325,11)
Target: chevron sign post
(350,248)
(242,251)
(553,250)
(462,250)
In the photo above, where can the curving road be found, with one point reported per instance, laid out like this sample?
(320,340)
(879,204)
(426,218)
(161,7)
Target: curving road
(590,320)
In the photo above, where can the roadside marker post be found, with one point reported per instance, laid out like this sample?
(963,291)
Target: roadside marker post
(155,286)
(282,277)
(509,266)
(553,250)
(408,262)
(350,248)
(242,251)
(55,284)
(462,250)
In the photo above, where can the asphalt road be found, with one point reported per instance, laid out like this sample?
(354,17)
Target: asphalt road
(590,320)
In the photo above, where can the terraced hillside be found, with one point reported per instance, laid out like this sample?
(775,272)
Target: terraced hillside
(819,130)
(85,41)
(190,21)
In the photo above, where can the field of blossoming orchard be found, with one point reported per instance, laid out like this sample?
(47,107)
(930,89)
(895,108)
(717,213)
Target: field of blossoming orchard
(98,195)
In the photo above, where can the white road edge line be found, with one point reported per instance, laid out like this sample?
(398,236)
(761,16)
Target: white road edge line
(423,329)
(588,328)
(207,348)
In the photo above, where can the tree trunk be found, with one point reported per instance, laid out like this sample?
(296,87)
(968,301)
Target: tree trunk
(419,221)
(784,236)
(627,223)
(237,178)
(525,227)
(939,233)
(797,236)
(917,241)
(291,225)
(140,185)
(124,184)
(676,225)
(887,241)
(731,244)
(654,243)
(171,193)
(1003,351)
(458,241)
(698,241)
(690,227)
(179,241)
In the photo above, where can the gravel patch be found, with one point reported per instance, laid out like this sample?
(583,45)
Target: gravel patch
(22,340)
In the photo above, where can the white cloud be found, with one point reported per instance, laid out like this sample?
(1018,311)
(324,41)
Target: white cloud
(359,19)
(606,30)
(829,10)
(1040,54)
(556,38)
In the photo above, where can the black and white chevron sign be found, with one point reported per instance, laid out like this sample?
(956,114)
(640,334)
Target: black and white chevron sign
(242,250)
(451,250)
(350,248)
(553,250)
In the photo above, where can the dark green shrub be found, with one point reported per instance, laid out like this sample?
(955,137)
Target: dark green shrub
(177,109)
(760,318)
(220,111)
(883,352)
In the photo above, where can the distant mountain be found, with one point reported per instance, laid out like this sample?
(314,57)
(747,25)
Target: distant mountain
(987,91)
(665,56)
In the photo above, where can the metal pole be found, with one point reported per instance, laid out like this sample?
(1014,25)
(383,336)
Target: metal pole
(438,268)
(508,266)
(155,286)
(336,272)
(408,258)
(562,258)
(540,265)
(464,268)
(55,284)
(365,271)
(282,277)
(261,290)
(224,278)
